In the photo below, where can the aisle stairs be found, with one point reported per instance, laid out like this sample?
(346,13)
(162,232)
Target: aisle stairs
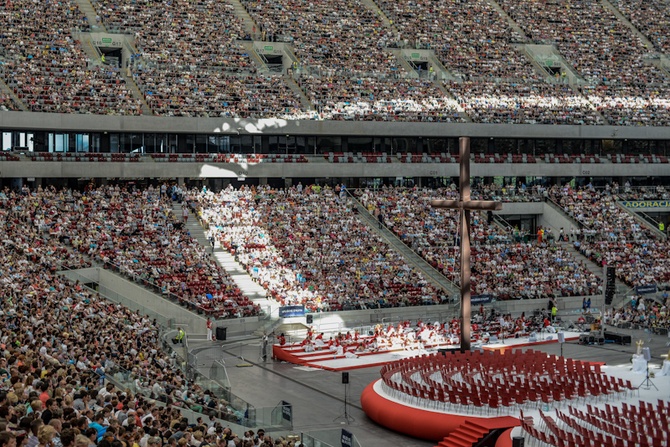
(6,90)
(86,8)
(227,261)
(439,281)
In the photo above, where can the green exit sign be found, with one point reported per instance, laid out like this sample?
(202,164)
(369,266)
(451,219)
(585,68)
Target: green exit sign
(268,47)
(415,55)
(106,40)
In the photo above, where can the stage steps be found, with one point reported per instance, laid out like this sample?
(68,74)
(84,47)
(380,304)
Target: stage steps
(467,435)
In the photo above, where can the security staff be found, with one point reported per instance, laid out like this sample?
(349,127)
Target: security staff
(180,335)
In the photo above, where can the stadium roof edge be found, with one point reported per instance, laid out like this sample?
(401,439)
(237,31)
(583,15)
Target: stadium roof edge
(32,121)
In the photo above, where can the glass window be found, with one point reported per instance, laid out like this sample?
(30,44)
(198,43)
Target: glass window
(58,142)
(360,144)
(328,144)
(82,142)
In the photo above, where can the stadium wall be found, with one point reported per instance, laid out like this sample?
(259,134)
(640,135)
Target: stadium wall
(238,126)
(321,168)
(554,218)
(148,169)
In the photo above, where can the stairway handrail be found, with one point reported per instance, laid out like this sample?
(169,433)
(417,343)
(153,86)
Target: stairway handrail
(433,270)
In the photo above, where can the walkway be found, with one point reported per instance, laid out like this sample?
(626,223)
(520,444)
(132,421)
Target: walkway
(247,285)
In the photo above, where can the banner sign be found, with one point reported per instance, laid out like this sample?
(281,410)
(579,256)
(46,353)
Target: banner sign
(347,439)
(286,411)
(646,289)
(481,299)
(646,204)
(291,311)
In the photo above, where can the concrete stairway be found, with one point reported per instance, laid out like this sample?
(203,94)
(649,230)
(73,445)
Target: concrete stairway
(87,46)
(508,19)
(241,12)
(594,268)
(370,4)
(295,88)
(569,246)
(4,89)
(653,228)
(247,285)
(623,19)
(414,260)
(86,7)
(254,56)
(658,63)
(404,64)
(135,90)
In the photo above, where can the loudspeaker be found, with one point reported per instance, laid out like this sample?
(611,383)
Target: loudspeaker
(646,353)
(310,318)
(561,337)
(345,377)
(221,333)
(517,441)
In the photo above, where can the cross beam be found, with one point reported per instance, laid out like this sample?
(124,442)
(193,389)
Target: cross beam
(465,205)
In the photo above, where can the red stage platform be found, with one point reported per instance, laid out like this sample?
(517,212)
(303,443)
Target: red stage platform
(457,398)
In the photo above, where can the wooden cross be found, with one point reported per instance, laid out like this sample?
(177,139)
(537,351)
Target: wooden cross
(465,205)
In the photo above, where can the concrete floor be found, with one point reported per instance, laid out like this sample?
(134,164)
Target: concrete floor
(318,396)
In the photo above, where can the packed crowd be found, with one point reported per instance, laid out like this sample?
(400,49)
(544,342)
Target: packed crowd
(605,52)
(658,192)
(651,17)
(189,61)
(524,103)
(179,34)
(374,99)
(504,265)
(641,313)
(203,93)
(500,85)
(307,246)
(321,33)
(58,343)
(47,68)
(135,232)
(618,238)
(471,38)
(190,64)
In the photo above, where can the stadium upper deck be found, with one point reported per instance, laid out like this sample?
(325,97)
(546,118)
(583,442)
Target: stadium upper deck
(189,60)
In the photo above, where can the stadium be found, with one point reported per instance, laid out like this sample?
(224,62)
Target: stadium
(184,181)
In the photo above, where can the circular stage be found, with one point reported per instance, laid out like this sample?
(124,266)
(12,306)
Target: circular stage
(467,396)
